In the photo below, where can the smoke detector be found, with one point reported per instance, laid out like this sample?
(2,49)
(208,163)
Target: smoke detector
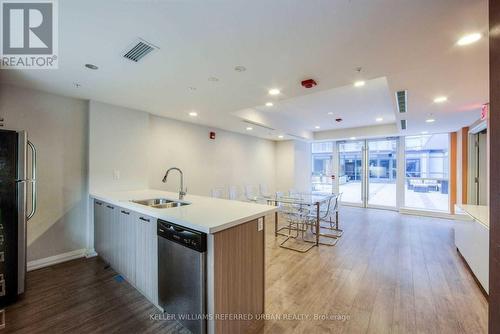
(309,83)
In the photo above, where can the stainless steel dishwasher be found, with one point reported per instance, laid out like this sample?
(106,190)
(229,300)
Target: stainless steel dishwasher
(182,274)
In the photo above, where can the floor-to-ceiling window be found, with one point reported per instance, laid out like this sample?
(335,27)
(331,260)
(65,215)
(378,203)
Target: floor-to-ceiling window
(382,172)
(367,171)
(351,171)
(321,179)
(427,172)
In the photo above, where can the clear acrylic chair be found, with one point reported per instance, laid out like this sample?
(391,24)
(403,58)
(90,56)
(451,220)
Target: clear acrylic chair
(296,222)
(217,192)
(233,193)
(250,193)
(334,225)
(263,190)
(327,209)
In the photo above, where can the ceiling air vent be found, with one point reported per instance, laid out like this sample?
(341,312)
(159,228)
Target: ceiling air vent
(402,99)
(259,125)
(403,124)
(138,50)
(296,137)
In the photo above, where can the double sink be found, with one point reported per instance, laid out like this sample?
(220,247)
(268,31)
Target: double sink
(160,203)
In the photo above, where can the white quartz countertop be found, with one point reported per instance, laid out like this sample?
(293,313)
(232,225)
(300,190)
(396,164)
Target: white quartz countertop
(205,214)
(479,213)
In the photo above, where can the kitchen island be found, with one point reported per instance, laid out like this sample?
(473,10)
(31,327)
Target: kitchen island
(125,235)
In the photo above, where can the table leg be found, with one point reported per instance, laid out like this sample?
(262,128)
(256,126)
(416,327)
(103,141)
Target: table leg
(276,221)
(317,224)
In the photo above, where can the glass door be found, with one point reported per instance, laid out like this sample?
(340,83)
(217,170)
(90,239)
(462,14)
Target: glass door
(381,173)
(368,172)
(351,161)
(322,163)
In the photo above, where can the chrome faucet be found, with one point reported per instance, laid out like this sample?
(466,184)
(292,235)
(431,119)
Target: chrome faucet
(182,191)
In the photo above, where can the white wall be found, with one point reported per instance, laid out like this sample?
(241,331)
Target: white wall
(293,166)
(303,167)
(285,171)
(142,147)
(230,159)
(118,144)
(58,127)
(375,131)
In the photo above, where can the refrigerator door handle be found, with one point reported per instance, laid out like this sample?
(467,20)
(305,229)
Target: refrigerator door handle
(33,180)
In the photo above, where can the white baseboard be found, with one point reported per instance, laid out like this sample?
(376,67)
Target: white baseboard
(462,217)
(51,260)
(433,214)
(90,253)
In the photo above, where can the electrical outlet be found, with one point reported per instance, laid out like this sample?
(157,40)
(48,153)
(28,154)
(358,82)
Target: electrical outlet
(116,174)
(260,224)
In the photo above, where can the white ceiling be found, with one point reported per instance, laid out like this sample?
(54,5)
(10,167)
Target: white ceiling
(357,107)
(400,45)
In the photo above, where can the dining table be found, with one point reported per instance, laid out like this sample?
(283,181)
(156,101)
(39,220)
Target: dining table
(310,200)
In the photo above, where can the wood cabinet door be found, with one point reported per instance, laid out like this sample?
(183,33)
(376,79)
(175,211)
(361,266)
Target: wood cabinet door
(110,220)
(98,226)
(146,255)
(126,245)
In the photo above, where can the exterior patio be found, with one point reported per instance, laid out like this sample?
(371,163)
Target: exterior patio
(384,194)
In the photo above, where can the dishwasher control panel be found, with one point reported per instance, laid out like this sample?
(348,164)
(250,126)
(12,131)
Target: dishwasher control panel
(187,237)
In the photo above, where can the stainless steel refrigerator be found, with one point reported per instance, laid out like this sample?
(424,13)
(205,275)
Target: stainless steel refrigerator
(16,181)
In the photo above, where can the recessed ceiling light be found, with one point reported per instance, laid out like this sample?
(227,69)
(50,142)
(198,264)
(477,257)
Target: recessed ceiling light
(269,104)
(240,68)
(330,113)
(469,39)
(213,79)
(352,138)
(274,91)
(359,83)
(193,114)
(424,132)
(280,137)
(249,128)
(379,119)
(317,127)
(430,120)
(440,99)
(91,66)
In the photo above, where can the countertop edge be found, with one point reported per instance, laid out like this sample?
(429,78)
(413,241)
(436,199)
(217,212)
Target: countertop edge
(209,230)
(475,217)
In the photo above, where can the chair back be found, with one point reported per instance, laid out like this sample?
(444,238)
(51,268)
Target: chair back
(249,192)
(217,192)
(329,205)
(337,202)
(232,192)
(263,190)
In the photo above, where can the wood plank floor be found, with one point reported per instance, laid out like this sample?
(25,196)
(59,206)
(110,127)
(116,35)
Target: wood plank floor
(82,296)
(389,273)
